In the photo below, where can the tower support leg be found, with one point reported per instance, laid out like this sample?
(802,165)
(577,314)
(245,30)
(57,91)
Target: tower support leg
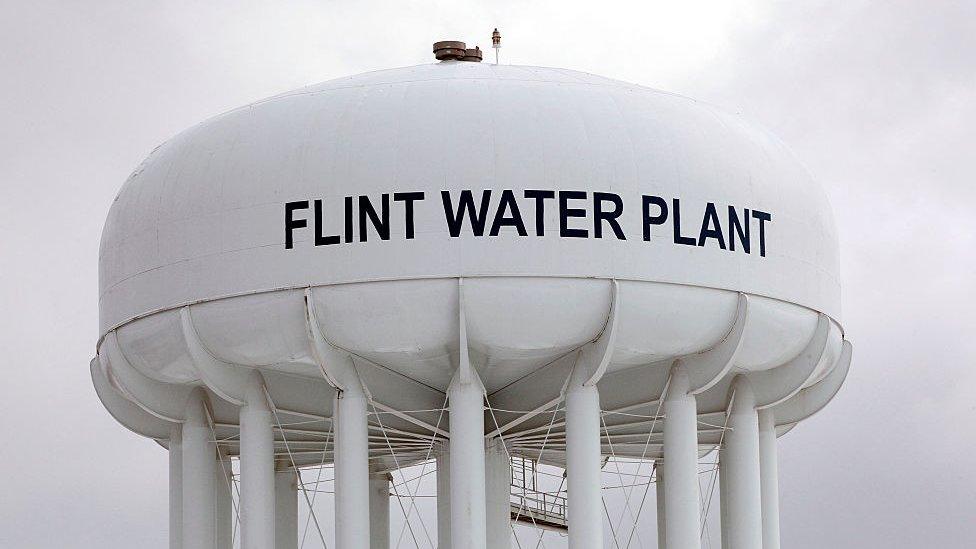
(199,460)
(286,510)
(662,520)
(498,481)
(223,503)
(739,470)
(379,510)
(681,457)
(769,479)
(257,469)
(176,487)
(466,408)
(443,495)
(583,464)
(351,470)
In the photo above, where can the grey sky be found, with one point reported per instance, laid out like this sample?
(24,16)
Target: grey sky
(877,98)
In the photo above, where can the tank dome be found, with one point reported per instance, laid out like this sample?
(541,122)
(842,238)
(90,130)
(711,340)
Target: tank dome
(203,216)
(534,185)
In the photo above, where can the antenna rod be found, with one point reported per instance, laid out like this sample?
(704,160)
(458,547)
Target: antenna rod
(496,42)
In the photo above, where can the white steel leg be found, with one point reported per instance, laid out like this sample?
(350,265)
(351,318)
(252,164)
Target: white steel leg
(379,510)
(443,496)
(681,456)
(739,469)
(661,506)
(176,487)
(199,459)
(286,510)
(498,481)
(257,468)
(351,470)
(223,504)
(769,479)
(583,464)
(468,520)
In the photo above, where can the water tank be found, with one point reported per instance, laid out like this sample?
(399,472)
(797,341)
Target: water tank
(466,222)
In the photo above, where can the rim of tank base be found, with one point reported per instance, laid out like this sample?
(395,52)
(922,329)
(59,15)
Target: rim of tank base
(101,336)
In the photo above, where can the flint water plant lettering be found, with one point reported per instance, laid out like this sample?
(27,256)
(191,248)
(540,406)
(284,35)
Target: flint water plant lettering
(528,213)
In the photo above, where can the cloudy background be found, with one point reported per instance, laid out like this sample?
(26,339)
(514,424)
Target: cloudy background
(878,98)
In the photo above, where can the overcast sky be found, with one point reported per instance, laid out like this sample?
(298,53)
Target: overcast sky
(877,98)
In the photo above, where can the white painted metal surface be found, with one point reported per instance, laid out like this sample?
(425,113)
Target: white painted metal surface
(202,219)
(498,494)
(223,504)
(467,464)
(443,466)
(769,479)
(199,474)
(739,462)
(662,517)
(175,449)
(286,510)
(257,468)
(583,464)
(681,495)
(379,510)
(351,470)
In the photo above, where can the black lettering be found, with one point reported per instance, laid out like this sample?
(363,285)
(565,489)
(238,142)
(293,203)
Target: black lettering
(507,204)
(599,216)
(659,219)
(710,227)
(408,199)
(762,217)
(291,223)
(381,222)
(565,212)
(737,227)
(466,203)
(319,239)
(540,208)
(678,238)
(348,218)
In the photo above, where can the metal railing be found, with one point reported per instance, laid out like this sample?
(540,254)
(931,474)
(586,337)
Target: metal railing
(530,504)
(542,506)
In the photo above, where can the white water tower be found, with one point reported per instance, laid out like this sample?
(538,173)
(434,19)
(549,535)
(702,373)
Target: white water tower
(468,263)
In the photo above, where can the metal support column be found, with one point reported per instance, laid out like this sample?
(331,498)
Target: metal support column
(662,527)
(199,459)
(681,456)
(286,509)
(223,503)
(443,456)
(498,487)
(467,420)
(739,470)
(257,468)
(379,510)
(583,464)
(769,479)
(351,469)
(176,487)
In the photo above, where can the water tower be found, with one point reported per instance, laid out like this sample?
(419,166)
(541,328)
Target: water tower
(468,264)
